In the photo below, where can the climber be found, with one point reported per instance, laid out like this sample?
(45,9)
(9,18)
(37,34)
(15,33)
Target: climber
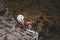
(20,19)
(26,23)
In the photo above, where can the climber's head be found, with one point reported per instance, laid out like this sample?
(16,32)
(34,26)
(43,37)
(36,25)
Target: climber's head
(20,19)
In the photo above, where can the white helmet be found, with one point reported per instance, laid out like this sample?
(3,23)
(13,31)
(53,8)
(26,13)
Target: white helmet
(20,18)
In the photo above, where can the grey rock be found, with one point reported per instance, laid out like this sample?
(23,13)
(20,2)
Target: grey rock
(11,37)
(2,32)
